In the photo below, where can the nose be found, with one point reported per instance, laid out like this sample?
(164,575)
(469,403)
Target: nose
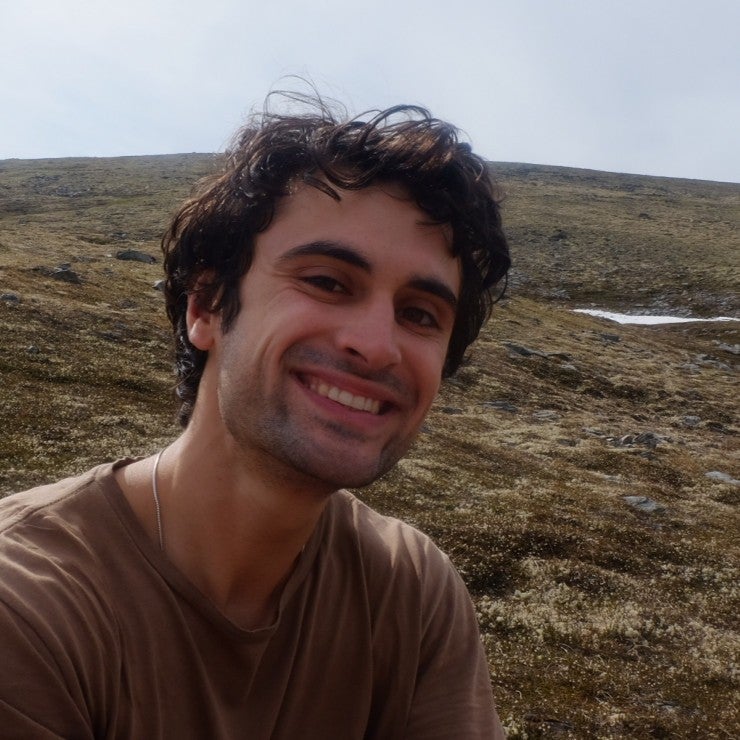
(370,334)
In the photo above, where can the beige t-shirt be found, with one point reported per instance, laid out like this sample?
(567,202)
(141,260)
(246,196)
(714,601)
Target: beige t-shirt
(102,637)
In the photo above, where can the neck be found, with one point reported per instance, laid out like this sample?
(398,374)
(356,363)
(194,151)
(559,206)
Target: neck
(235,530)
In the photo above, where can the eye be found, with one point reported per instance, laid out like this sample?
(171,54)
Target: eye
(419,317)
(324,283)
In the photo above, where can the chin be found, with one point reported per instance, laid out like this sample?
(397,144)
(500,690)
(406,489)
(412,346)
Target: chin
(350,474)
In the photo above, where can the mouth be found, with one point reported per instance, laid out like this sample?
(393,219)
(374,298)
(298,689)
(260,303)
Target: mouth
(344,397)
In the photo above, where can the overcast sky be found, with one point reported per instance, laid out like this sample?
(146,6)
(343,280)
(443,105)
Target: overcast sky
(642,86)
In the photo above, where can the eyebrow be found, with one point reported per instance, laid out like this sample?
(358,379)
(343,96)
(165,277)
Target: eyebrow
(328,249)
(344,253)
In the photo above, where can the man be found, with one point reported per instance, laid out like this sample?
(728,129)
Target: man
(319,288)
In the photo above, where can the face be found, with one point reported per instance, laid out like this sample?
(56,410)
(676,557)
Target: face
(336,355)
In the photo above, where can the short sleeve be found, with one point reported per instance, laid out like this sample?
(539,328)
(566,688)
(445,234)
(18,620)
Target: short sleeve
(453,698)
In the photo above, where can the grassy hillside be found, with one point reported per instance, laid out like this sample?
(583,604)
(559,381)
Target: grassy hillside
(564,469)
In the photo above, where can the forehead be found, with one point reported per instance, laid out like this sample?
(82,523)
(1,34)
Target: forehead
(380,222)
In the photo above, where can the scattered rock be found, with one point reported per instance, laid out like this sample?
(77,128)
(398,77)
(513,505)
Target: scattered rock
(502,406)
(611,337)
(593,432)
(64,273)
(643,503)
(134,255)
(518,349)
(733,349)
(711,361)
(644,439)
(522,351)
(11,298)
(691,421)
(717,426)
(546,415)
(722,477)
(559,236)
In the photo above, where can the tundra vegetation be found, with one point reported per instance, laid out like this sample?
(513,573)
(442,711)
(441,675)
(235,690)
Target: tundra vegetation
(583,476)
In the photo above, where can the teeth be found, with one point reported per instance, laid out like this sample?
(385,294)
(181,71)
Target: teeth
(360,403)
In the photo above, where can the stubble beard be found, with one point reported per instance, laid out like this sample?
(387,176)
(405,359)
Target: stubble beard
(290,448)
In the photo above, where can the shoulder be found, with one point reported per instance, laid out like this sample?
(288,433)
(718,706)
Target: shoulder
(49,553)
(17,508)
(393,550)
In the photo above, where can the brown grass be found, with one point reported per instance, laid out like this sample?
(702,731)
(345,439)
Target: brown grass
(599,620)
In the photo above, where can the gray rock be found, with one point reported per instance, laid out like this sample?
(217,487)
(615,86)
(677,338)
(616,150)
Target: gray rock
(690,367)
(644,439)
(722,477)
(134,255)
(691,421)
(66,275)
(451,410)
(546,415)
(710,361)
(502,406)
(159,285)
(643,503)
(611,337)
(63,273)
(733,349)
(518,349)
(11,298)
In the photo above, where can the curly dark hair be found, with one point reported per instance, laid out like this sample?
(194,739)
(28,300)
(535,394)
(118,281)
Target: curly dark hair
(213,233)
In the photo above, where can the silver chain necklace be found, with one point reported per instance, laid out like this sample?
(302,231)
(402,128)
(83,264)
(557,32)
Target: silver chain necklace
(157,507)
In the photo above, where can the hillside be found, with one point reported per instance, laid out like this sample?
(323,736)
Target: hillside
(582,475)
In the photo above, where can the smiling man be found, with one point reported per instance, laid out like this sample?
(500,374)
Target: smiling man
(319,287)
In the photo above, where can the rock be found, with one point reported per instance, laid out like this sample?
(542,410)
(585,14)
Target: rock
(733,349)
(451,410)
(717,426)
(690,367)
(63,273)
(134,255)
(546,415)
(559,236)
(522,351)
(643,503)
(11,298)
(611,337)
(691,421)
(518,349)
(66,275)
(159,285)
(648,439)
(722,477)
(502,406)
(710,361)
(645,439)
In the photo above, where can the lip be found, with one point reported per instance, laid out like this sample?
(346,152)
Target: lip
(388,402)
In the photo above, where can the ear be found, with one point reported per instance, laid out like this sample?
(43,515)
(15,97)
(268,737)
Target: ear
(203,323)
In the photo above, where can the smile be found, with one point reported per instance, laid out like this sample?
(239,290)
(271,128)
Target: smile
(359,403)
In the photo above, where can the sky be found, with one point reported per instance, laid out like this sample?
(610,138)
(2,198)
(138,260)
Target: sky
(640,86)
